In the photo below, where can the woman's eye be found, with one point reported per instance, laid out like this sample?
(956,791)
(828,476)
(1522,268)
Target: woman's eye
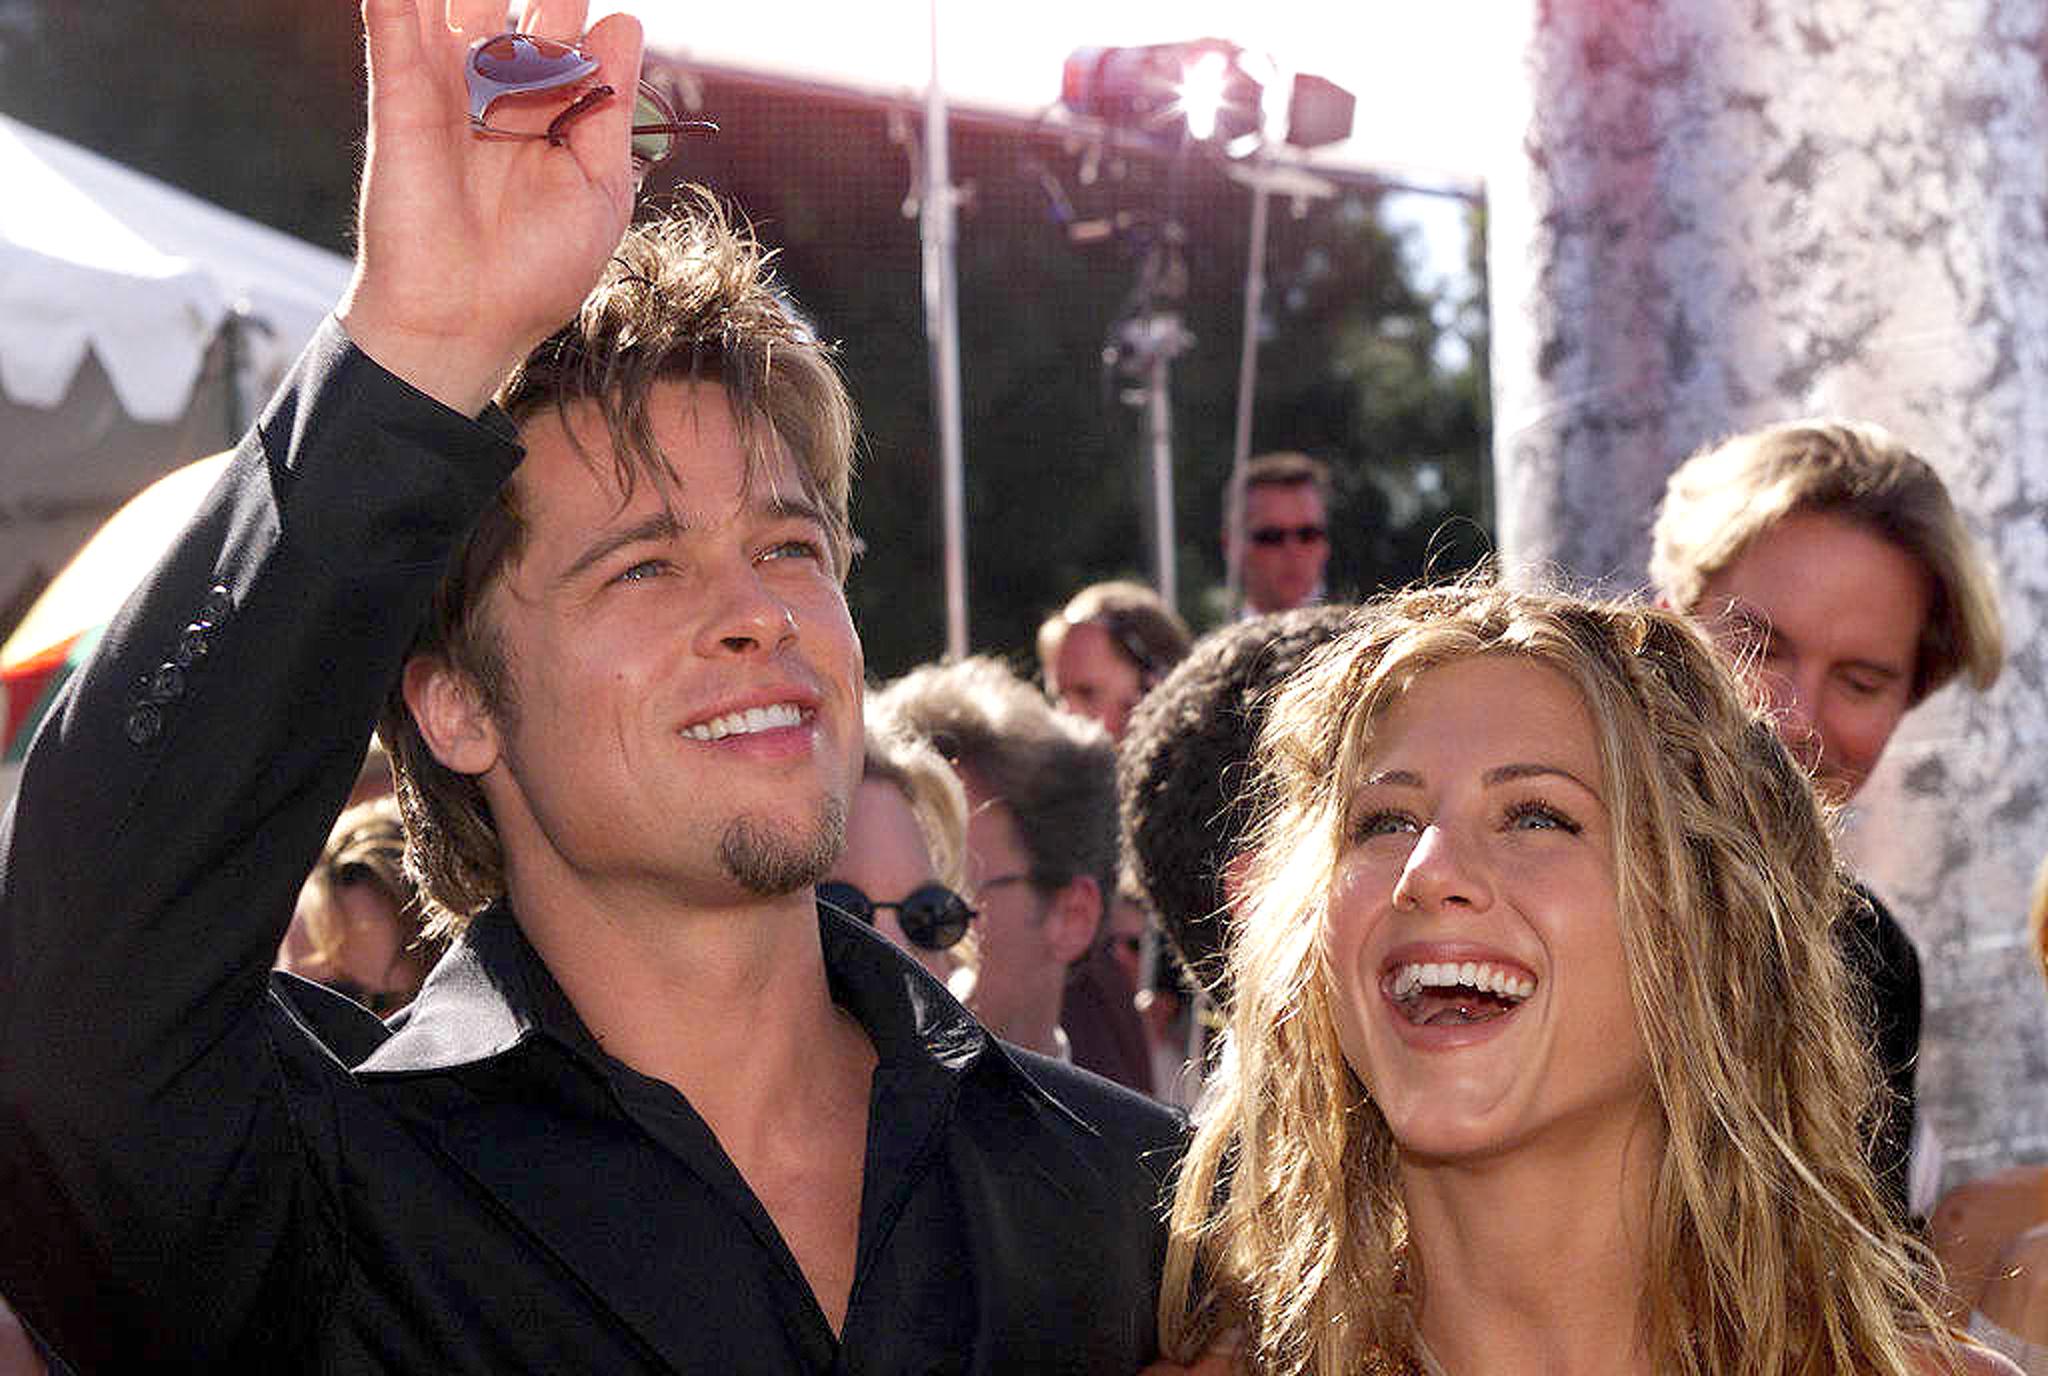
(1534,816)
(1385,822)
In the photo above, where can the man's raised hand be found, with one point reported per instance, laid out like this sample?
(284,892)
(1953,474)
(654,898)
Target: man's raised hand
(473,249)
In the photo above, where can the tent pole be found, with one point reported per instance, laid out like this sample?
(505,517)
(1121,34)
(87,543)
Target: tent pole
(231,377)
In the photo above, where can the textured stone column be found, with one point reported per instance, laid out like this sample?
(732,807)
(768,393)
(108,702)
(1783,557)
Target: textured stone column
(1718,215)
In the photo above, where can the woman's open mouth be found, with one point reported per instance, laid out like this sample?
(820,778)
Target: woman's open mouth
(1454,993)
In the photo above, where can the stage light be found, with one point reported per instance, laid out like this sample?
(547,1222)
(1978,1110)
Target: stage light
(1165,88)
(1319,111)
(1205,88)
(1202,94)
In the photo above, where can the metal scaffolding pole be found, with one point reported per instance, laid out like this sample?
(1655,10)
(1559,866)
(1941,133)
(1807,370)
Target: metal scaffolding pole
(937,221)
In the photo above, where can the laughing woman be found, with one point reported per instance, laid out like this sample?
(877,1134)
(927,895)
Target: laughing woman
(1541,1058)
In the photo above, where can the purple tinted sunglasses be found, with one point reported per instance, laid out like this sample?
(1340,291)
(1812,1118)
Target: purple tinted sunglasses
(511,64)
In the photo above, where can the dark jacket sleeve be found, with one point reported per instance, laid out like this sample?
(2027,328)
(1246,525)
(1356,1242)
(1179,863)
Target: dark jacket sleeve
(155,1176)
(1886,971)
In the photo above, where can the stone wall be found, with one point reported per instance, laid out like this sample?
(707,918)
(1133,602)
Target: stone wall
(1714,215)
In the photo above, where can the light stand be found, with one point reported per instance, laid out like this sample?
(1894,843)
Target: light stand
(1145,344)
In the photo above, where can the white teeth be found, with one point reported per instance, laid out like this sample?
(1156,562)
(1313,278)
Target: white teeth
(746,722)
(1487,978)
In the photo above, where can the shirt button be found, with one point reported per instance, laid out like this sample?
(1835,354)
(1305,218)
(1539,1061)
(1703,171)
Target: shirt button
(167,684)
(192,647)
(145,723)
(216,607)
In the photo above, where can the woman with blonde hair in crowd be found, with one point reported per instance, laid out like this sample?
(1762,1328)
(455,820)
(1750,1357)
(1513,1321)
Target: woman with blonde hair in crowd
(357,925)
(1541,1056)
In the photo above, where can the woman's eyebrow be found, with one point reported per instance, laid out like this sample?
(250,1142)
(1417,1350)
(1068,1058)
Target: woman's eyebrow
(1499,774)
(1508,773)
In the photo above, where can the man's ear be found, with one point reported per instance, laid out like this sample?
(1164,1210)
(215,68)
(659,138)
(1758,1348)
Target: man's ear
(449,709)
(1075,918)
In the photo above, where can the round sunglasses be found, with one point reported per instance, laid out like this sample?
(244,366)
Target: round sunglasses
(933,916)
(509,64)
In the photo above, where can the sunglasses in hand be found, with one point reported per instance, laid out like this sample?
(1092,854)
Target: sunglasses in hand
(513,64)
(933,916)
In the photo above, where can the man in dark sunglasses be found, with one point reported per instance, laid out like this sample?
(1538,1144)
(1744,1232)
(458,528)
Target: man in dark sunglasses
(655,1111)
(1283,550)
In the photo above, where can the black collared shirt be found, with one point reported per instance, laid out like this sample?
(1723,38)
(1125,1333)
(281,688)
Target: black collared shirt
(913,1292)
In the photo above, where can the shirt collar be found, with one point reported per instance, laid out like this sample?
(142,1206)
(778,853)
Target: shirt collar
(907,1014)
(492,992)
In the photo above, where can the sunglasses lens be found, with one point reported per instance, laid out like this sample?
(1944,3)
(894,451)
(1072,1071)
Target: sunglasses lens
(524,60)
(654,127)
(1271,536)
(935,917)
(847,899)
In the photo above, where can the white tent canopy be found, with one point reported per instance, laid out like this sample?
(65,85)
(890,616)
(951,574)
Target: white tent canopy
(116,292)
(95,256)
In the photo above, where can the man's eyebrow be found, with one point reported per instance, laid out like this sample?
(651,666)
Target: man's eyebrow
(797,508)
(660,525)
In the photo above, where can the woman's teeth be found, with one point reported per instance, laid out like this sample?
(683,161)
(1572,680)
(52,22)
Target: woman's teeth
(1475,975)
(1454,992)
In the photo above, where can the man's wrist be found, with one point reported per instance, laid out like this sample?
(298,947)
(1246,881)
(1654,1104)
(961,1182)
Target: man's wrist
(460,372)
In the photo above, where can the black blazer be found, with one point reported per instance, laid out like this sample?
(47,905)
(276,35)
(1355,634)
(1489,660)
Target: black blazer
(203,1166)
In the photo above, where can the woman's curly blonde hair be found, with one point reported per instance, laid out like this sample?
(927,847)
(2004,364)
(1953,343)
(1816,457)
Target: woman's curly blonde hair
(1771,1249)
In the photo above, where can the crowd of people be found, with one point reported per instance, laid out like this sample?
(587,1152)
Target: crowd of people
(1460,980)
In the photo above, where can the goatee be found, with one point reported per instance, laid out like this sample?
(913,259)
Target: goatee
(773,860)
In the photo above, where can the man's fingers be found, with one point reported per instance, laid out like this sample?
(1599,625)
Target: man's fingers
(478,18)
(391,29)
(562,19)
(615,43)
(407,42)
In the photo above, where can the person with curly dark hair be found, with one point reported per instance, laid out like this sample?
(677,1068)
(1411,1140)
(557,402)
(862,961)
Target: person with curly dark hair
(1183,765)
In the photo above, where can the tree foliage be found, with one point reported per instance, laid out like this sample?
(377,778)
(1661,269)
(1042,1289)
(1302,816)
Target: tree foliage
(256,105)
